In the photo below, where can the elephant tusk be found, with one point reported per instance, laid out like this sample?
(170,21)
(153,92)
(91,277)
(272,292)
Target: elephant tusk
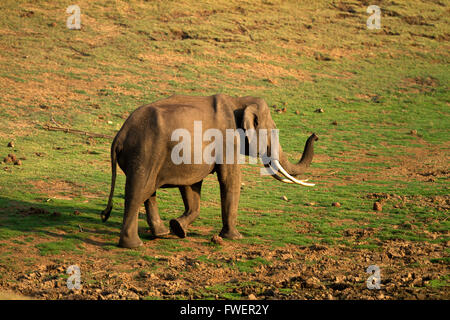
(291,178)
(281,179)
(276,176)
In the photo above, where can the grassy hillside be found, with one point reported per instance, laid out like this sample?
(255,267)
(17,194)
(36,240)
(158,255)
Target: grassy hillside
(384,136)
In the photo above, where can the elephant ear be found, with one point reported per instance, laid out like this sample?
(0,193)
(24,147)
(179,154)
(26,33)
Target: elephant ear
(250,118)
(250,121)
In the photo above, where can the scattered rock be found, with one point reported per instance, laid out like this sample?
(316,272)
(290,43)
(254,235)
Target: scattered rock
(334,123)
(376,98)
(11,144)
(413,132)
(317,247)
(32,211)
(320,110)
(313,282)
(377,206)
(217,239)
(321,57)
(251,296)
(297,112)
(284,198)
(7,160)
(336,204)
(18,162)
(76,212)
(310,204)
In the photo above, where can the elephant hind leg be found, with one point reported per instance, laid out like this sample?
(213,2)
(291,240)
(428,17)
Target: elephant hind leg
(134,186)
(154,221)
(191,199)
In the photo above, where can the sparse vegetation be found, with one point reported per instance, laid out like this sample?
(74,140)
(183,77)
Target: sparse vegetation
(383,138)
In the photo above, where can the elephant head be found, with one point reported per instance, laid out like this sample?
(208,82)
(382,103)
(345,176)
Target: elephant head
(256,117)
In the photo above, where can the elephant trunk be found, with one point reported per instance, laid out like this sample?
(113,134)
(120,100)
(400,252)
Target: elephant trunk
(290,170)
(305,160)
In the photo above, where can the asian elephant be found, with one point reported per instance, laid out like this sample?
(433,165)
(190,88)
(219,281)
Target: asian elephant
(143,148)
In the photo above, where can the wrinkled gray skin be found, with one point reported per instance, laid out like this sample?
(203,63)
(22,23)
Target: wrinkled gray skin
(143,146)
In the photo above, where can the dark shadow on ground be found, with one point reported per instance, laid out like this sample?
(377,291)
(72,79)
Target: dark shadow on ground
(56,221)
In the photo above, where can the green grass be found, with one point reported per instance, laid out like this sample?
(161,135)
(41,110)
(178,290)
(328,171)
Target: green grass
(57,247)
(377,86)
(439,283)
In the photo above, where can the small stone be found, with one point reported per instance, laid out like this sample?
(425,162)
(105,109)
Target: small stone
(217,239)
(251,296)
(7,160)
(334,123)
(413,132)
(312,282)
(336,204)
(377,206)
(376,98)
(18,162)
(76,212)
(284,198)
(320,110)
(310,204)
(297,112)
(11,144)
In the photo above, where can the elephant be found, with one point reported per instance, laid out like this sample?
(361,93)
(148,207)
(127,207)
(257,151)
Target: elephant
(143,149)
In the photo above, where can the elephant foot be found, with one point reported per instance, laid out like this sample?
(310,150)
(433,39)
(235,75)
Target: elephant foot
(232,234)
(159,230)
(130,244)
(177,228)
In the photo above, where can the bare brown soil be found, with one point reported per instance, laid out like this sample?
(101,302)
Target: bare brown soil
(314,272)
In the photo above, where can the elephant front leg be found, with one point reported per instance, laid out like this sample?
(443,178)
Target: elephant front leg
(230,188)
(154,221)
(191,199)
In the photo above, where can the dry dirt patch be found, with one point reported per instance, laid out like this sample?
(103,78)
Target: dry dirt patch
(313,272)
(57,189)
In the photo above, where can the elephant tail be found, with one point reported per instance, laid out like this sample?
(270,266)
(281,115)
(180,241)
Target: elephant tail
(107,212)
